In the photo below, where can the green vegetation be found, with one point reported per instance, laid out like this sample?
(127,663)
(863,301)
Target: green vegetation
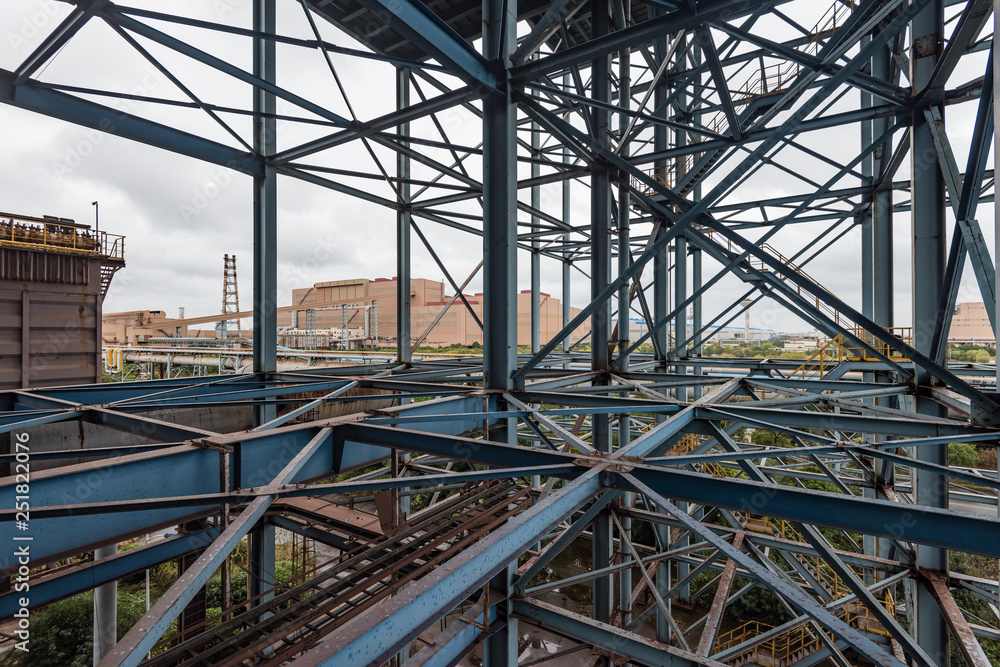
(62,632)
(767,349)
(985,568)
(980,354)
(962,454)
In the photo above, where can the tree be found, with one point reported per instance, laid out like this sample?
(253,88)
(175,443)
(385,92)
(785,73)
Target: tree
(62,632)
(982,357)
(962,454)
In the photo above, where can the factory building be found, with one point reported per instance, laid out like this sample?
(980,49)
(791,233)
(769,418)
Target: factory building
(427,302)
(971,324)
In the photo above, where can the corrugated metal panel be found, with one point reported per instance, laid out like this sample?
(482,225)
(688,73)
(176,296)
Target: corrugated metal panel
(61,295)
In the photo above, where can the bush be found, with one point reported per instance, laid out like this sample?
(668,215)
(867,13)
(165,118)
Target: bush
(758,604)
(982,357)
(62,632)
(962,454)
(237,592)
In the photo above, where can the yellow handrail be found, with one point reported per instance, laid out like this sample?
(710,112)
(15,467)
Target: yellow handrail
(60,236)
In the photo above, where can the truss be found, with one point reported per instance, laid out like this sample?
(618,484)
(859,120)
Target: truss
(710,137)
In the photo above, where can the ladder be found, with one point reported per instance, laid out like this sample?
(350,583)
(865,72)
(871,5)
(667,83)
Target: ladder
(230,295)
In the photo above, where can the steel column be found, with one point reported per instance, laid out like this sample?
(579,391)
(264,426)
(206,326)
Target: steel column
(600,266)
(403,318)
(105,610)
(265,204)
(929,244)
(499,203)
(536,255)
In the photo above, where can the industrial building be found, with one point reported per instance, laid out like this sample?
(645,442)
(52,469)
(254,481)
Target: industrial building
(971,324)
(437,318)
(610,505)
(54,274)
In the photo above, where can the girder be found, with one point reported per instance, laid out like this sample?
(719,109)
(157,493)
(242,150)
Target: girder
(606,137)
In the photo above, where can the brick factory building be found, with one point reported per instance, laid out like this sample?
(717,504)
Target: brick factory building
(971,324)
(428,299)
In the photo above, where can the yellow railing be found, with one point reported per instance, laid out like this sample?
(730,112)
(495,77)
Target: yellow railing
(830,580)
(60,236)
(825,575)
(690,442)
(839,349)
(802,641)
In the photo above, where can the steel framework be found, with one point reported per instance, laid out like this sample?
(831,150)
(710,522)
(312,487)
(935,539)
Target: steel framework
(675,115)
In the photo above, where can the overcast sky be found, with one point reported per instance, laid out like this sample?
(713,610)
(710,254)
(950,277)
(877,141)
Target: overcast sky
(181,215)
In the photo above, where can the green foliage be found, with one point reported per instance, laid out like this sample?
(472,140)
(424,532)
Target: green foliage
(961,563)
(758,604)
(980,354)
(962,454)
(237,589)
(772,349)
(765,438)
(62,632)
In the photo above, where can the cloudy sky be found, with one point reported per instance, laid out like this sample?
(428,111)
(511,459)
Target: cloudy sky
(181,215)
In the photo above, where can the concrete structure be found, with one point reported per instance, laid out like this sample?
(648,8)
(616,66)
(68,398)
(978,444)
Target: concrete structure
(971,324)
(53,277)
(427,301)
(135,327)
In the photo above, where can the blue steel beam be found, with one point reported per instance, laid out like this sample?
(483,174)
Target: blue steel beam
(915,523)
(422,27)
(241,497)
(32,96)
(377,634)
(57,39)
(105,570)
(461,635)
(257,79)
(790,592)
(136,644)
(617,642)
(185,470)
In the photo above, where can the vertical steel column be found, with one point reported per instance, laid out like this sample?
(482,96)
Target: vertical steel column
(536,255)
(696,341)
(680,295)
(105,610)
(261,581)
(265,205)
(624,327)
(499,202)
(567,310)
(403,225)
(500,263)
(661,261)
(882,292)
(883,68)
(600,263)
(864,220)
(996,151)
(661,307)
(929,248)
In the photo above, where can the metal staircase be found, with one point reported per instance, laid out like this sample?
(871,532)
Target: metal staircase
(802,641)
